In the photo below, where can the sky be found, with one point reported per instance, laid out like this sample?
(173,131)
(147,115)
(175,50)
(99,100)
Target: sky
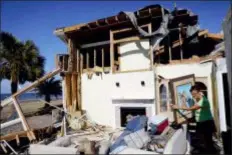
(37,20)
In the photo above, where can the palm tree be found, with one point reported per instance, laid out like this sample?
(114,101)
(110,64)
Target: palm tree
(50,87)
(25,61)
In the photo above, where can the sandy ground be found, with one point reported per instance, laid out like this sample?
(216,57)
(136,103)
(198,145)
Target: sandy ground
(37,122)
(30,107)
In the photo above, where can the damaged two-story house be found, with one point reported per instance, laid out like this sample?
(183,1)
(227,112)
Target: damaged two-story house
(122,64)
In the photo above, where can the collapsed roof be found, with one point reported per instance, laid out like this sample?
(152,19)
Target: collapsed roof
(99,30)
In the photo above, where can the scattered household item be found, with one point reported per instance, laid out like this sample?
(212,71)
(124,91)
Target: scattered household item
(137,139)
(135,124)
(177,144)
(158,123)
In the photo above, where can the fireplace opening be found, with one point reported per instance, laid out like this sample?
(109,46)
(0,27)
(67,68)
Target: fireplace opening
(134,111)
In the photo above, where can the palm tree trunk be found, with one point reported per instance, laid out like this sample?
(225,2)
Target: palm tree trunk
(14,87)
(47,98)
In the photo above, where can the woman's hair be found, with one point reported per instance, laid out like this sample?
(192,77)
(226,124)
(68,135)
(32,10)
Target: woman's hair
(195,87)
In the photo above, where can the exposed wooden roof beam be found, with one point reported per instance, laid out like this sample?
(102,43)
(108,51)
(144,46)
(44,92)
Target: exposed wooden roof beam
(215,36)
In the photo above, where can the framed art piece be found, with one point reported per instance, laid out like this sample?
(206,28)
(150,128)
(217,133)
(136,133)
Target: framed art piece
(180,93)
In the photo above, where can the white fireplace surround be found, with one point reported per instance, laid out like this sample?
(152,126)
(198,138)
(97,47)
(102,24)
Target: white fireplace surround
(148,104)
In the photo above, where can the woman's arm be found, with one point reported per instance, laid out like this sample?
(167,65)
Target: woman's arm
(194,107)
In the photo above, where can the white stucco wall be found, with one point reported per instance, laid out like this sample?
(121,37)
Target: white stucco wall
(134,55)
(221,68)
(199,70)
(101,98)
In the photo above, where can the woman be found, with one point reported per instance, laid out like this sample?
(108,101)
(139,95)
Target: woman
(203,116)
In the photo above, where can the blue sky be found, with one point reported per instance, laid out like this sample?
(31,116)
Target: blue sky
(37,20)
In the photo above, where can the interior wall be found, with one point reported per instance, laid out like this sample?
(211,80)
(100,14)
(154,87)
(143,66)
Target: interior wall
(134,55)
(99,92)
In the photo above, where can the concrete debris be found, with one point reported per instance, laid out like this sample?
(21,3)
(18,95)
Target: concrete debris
(44,149)
(103,147)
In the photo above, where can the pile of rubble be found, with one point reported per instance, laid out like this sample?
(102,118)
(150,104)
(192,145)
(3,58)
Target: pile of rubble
(140,136)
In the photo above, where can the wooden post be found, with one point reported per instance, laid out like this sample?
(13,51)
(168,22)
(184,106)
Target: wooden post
(112,51)
(3,148)
(180,40)
(103,59)
(81,63)
(67,79)
(74,80)
(150,51)
(87,60)
(79,81)
(74,92)
(79,92)
(119,61)
(95,58)
(17,140)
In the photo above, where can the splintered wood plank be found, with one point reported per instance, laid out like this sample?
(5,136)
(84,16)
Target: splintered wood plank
(67,80)
(29,136)
(32,134)
(74,92)
(20,113)
(12,136)
(17,140)
(215,36)
(37,82)
(3,148)
(79,94)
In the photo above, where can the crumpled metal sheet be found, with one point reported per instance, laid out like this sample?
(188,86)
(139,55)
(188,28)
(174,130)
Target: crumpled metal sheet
(158,35)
